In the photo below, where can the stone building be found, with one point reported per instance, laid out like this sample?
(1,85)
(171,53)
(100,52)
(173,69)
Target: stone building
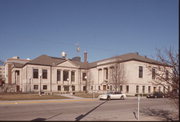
(127,73)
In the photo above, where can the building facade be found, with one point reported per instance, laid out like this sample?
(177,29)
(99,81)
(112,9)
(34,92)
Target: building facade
(2,74)
(127,73)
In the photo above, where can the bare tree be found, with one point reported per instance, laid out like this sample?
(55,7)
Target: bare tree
(117,75)
(166,73)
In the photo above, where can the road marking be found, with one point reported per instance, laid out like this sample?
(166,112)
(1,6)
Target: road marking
(47,101)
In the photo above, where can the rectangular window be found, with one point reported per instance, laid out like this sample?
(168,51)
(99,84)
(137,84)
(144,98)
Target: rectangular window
(121,88)
(167,75)
(140,72)
(35,87)
(84,88)
(104,87)
(44,87)
(58,75)
(149,89)
(99,87)
(143,89)
(35,73)
(127,89)
(137,89)
(84,76)
(154,89)
(65,75)
(44,74)
(66,88)
(153,73)
(106,73)
(72,76)
(59,88)
(73,88)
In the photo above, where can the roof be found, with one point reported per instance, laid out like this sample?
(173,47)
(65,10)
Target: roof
(54,61)
(46,60)
(123,58)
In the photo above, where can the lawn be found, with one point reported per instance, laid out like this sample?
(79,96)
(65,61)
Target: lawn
(11,97)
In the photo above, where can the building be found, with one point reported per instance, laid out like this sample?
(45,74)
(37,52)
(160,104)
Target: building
(63,75)
(2,74)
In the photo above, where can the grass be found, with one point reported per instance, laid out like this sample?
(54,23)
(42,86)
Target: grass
(86,95)
(11,97)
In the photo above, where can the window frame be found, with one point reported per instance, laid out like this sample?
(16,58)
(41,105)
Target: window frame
(44,74)
(35,76)
(140,71)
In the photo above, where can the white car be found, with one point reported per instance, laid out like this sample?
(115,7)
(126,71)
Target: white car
(112,95)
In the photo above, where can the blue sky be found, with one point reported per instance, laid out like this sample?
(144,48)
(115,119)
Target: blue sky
(103,28)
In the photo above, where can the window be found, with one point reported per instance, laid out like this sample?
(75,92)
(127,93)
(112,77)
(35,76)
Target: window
(127,89)
(58,75)
(66,88)
(154,89)
(35,87)
(44,74)
(59,88)
(99,87)
(35,73)
(143,89)
(121,87)
(106,73)
(84,88)
(167,75)
(65,75)
(149,89)
(104,87)
(73,88)
(72,76)
(137,89)
(140,71)
(84,76)
(44,87)
(153,73)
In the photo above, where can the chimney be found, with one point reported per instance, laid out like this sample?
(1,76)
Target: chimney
(85,57)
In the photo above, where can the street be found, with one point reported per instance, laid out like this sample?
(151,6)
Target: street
(90,110)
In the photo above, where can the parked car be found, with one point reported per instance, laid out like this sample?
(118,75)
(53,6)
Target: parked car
(156,95)
(112,95)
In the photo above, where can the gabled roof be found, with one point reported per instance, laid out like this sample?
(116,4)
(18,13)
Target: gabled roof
(46,60)
(123,58)
(54,61)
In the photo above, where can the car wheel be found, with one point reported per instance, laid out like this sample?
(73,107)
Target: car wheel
(122,98)
(108,98)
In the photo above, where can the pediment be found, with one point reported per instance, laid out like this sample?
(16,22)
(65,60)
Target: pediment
(67,64)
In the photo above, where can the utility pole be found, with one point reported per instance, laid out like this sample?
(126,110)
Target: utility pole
(138,105)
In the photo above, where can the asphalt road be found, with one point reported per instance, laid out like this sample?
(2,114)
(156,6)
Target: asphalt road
(91,110)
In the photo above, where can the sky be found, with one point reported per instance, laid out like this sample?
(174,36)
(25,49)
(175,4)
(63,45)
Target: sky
(102,28)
